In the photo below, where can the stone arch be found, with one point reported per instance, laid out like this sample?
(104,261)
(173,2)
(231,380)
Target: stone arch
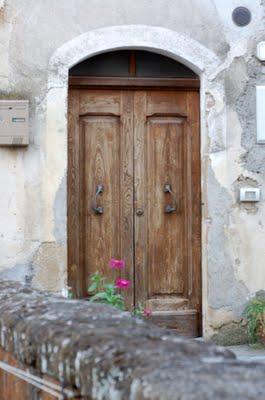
(160,40)
(167,42)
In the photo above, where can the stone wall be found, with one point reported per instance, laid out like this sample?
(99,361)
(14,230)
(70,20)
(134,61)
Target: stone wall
(37,42)
(97,352)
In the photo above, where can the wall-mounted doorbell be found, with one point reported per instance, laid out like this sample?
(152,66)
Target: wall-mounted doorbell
(249,194)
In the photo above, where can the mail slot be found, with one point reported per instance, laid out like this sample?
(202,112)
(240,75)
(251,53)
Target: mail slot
(14,122)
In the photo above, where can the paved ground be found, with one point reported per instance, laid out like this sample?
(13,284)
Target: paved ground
(249,353)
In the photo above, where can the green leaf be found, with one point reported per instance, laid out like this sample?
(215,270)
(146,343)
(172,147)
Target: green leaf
(110,288)
(93,287)
(255,315)
(96,277)
(99,296)
(105,292)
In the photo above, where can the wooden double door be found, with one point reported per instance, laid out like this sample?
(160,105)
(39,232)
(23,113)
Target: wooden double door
(134,193)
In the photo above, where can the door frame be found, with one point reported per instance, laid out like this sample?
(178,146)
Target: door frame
(180,47)
(132,83)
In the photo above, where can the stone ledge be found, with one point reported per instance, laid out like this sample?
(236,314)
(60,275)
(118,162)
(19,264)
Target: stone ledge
(108,355)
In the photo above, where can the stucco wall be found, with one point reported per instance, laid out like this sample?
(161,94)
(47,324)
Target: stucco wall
(33,180)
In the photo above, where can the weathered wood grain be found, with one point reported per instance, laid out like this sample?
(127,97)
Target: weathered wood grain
(133,142)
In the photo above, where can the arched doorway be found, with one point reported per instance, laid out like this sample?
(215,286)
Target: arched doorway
(134,180)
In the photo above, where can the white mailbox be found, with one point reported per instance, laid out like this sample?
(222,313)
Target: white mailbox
(14,122)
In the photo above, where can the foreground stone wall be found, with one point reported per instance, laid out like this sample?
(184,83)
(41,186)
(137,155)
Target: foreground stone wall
(101,353)
(34,37)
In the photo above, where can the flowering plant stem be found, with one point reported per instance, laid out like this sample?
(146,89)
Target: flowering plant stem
(107,292)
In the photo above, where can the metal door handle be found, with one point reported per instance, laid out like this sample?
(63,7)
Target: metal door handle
(171,207)
(97,209)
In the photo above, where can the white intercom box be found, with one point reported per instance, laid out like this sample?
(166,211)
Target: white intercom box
(250,194)
(14,122)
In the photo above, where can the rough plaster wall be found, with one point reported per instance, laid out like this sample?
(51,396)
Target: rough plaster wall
(236,268)
(32,207)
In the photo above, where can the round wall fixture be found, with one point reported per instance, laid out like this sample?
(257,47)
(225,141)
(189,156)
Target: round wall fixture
(241,16)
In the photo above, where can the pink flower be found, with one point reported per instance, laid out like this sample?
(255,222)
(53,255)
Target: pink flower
(122,283)
(116,264)
(147,312)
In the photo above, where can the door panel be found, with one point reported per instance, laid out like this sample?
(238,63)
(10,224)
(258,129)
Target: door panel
(166,153)
(166,232)
(143,147)
(166,103)
(101,147)
(100,153)
(100,101)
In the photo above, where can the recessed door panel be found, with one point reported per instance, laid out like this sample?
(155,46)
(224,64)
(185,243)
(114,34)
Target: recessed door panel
(101,147)
(166,206)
